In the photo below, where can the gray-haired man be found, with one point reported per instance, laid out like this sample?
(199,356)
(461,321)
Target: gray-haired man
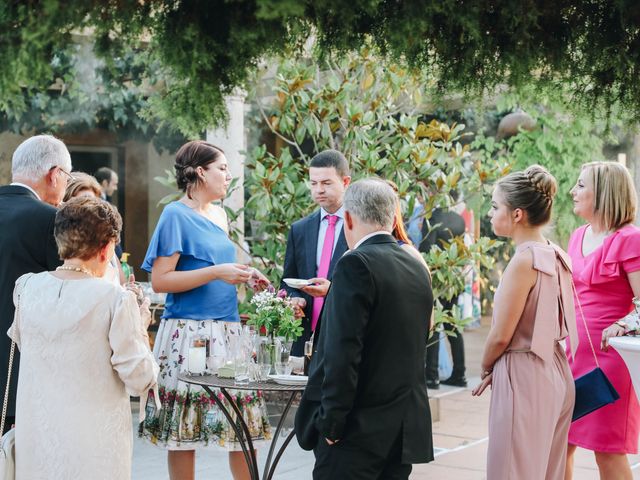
(365,411)
(40,169)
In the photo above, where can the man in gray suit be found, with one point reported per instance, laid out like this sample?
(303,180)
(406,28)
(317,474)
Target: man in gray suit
(365,411)
(40,169)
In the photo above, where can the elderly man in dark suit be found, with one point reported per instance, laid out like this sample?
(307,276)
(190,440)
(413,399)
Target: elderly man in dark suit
(40,169)
(365,411)
(317,241)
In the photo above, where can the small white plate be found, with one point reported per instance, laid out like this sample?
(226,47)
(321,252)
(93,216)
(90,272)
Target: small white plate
(289,379)
(296,282)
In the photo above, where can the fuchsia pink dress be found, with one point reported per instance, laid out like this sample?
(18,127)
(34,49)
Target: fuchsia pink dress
(604,292)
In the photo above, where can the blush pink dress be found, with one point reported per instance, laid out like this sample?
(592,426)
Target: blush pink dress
(532,392)
(605,294)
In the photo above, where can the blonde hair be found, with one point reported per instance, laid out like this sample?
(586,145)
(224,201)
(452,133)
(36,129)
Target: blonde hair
(531,190)
(81,181)
(614,195)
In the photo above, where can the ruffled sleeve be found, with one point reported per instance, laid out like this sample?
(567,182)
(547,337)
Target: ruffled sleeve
(131,358)
(619,254)
(181,231)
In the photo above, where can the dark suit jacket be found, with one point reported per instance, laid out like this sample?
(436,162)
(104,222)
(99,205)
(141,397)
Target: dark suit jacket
(366,378)
(450,224)
(26,245)
(300,262)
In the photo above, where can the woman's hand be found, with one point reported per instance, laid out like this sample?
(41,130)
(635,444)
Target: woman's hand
(486,381)
(319,288)
(233,273)
(613,330)
(258,280)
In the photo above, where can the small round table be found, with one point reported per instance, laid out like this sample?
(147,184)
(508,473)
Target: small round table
(240,428)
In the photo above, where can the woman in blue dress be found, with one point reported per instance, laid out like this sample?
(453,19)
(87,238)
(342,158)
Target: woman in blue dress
(192,259)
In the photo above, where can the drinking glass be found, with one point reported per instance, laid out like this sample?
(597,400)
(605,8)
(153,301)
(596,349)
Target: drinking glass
(283,368)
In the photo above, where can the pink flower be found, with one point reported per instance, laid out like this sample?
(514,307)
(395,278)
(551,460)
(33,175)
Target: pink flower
(282,293)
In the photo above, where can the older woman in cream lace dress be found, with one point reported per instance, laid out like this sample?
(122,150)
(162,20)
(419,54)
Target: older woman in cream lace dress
(84,351)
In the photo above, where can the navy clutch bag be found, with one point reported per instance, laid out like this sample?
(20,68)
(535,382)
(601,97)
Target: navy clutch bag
(593,390)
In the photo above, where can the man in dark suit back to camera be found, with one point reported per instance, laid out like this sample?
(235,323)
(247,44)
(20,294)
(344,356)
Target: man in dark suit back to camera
(365,411)
(307,256)
(40,169)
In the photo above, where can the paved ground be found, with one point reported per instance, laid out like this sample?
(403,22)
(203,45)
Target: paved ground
(460,437)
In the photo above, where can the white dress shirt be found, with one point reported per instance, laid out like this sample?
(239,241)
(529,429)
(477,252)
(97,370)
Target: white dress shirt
(18,184)
(367,237)
(322,231)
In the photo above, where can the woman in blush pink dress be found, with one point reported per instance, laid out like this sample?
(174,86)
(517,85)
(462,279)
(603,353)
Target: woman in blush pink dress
(606,271)
(533,392)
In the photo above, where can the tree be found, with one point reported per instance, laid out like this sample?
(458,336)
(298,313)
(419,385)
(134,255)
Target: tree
(205,49)
(370,110)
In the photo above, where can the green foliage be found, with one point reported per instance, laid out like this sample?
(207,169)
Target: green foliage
(87,94)
(562,141)
(204,49)
(275,314)
(369,110)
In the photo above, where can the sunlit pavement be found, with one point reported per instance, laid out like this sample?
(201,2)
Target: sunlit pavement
(460,438)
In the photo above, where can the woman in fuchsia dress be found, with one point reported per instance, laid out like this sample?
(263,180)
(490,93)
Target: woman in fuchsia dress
(605,255)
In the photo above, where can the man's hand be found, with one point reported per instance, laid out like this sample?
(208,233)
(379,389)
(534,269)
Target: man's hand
(298,304)
(319,287)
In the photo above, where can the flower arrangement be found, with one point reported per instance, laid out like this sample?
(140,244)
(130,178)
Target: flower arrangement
(275,313)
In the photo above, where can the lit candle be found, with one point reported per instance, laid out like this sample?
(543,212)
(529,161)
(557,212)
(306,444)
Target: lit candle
(197,359)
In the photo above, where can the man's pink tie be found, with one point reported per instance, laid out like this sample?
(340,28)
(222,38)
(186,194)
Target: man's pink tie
(323,268)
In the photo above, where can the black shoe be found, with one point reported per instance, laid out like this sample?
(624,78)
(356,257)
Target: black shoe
(433,384)
(455,382)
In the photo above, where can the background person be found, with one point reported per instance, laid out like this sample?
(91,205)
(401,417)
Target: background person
(84,351)
(40,169)
(317,242)
(533,392)
(606,272)
(108,180)
(84,185)
(447,225)
(365,411)
(193,260)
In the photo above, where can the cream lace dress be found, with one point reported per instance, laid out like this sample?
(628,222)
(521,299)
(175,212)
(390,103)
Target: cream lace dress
(82,354)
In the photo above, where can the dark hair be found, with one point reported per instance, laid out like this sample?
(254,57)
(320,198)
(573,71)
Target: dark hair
(192,155)
(84,225)
(531,190)
(104,174)
(331,158)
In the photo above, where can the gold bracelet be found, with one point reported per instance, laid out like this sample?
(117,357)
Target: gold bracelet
(486,373)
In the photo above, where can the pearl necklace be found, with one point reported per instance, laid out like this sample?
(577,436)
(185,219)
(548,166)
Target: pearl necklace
(76,268)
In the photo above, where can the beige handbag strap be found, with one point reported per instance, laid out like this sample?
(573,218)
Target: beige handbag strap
(586,328)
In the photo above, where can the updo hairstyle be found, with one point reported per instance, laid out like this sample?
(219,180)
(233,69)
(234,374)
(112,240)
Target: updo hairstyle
(531,190)
(84,225)
(192,155)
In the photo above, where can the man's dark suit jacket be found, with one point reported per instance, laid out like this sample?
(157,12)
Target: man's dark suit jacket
(300,262)
(366,378)
(26,245)
(450,224)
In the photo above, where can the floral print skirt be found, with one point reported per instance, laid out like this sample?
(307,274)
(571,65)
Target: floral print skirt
(188,418)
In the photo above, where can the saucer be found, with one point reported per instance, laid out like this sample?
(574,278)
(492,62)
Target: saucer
(296,282)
